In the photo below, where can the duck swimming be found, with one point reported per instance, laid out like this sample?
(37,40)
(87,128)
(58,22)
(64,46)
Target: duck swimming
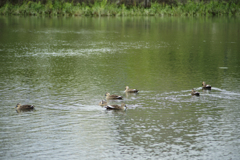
(25,107)
(108,96)
(206,86)
(116,107)
(127,90)
(195,93)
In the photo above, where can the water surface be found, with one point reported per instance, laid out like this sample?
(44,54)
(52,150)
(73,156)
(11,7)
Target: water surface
(64,66)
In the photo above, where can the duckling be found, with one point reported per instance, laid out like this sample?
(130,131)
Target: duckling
(25,107)
(127,90)
(103,103)
(116,107)
(108,96)
(206,86)
(195,93)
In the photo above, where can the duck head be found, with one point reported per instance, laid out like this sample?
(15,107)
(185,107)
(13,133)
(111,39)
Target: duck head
(18,105)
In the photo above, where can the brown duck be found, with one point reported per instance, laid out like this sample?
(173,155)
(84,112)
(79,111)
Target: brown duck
(127,90)
(25,107)
(116,107)
(108,96)
(195,93)
(206,86)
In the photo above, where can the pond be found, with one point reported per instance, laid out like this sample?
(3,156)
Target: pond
(65,65)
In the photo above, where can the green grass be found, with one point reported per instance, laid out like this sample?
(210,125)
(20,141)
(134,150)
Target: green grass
(103,8)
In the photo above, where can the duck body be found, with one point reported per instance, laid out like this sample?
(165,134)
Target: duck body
(108,96)
(195,93)
(116,107)
(103,103)
(206,86)
(25,107)
(127,90)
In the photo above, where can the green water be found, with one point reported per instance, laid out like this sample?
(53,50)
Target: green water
(64,66)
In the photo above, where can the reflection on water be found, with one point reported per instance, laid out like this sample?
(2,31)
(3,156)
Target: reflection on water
(64,66)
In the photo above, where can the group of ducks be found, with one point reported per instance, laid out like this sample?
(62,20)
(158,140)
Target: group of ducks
(27,107)
(204,86)
(116,97)
(108,96)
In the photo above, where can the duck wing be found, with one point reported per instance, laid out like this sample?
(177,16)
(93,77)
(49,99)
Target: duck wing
(26,107)
(115,97)
(132,90)
(115,107)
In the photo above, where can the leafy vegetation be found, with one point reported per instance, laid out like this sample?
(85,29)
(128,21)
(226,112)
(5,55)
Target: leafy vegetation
(103,8)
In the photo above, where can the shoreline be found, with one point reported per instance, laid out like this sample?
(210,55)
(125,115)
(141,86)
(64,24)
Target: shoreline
(103,8)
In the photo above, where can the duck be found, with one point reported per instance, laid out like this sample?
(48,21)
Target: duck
(127,90)
(25,107)
(116,107)
(108,96)
(195,93)
(103,103)
(206,86)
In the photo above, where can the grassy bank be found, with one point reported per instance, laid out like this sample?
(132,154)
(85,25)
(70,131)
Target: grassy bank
(103,8)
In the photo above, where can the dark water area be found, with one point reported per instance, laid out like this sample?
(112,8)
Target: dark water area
(65,65)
